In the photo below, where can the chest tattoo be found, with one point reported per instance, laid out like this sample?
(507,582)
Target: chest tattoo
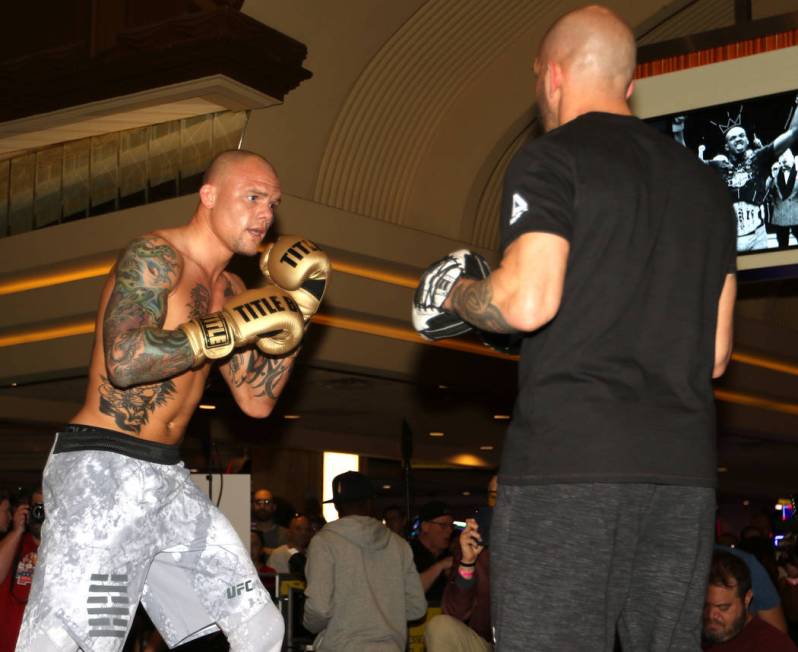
(200,300)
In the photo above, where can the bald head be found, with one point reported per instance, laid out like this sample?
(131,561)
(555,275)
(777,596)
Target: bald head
(594,44)
(585,63)
(222,164)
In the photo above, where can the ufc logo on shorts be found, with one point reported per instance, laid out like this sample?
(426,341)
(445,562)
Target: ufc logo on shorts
(238,589)
(215,332)
(298,251)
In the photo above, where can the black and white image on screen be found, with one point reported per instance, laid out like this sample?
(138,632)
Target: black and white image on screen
(750,144)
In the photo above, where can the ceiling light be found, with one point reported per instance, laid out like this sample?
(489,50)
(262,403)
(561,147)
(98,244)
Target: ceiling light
(466,493)
(13,384)
(722,469)
(443,387)
(746,503)
(291,417)
(501,417)
(436,434)
(386,486)
(206,406)
(487,447)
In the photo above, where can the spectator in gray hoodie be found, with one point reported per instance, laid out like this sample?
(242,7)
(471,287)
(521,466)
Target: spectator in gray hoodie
(362,584)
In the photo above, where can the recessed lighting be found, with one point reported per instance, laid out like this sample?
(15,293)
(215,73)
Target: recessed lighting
(443,387)
(486,448)
(746,503)
(466,493)
(386,486)
(206,406)
(13,384)
(501,417)
(722,469)
(436,434)
(291,417)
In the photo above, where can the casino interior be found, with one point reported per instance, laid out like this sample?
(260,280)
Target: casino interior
(391,125)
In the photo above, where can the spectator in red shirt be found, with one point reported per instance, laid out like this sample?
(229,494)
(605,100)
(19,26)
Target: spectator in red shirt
(728,626)
(18,556)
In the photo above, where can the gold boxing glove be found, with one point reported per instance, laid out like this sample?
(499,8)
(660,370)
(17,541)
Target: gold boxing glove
(266,316)
(299,268)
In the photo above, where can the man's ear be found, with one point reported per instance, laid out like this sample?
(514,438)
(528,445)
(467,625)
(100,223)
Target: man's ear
(554,78)
(207,195)
(749,594)
(630,89)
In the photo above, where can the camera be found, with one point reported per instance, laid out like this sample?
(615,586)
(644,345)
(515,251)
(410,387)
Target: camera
(483,517)
(37,512)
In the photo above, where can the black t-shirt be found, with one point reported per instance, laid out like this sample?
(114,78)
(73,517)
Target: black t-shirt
(617,387)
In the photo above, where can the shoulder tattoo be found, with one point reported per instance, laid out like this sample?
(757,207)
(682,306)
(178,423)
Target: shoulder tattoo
(137,350)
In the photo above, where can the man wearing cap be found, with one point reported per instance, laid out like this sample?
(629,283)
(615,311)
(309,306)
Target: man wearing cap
(431,548)
(362,584)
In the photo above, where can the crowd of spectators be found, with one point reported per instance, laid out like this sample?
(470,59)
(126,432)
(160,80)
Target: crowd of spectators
(366,579)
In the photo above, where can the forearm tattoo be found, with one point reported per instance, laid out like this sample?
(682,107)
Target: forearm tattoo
(473,302)
(251,367)
(261,372)
(137,349)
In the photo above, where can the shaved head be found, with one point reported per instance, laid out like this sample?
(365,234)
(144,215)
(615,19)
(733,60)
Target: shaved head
(592,53)
(594,43)
(227,160)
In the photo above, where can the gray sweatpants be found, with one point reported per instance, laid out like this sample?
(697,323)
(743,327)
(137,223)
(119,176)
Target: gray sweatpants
(573,563)
(120,530)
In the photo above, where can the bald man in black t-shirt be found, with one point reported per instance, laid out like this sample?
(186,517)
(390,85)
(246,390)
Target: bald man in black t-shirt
(619,266)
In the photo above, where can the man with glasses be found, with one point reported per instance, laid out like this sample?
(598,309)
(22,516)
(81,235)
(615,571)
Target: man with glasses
(431,548)
(264,509)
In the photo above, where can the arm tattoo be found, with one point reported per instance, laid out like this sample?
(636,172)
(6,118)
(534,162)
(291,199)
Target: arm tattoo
(137,349)
(473,303)
(251,367)
(259,371)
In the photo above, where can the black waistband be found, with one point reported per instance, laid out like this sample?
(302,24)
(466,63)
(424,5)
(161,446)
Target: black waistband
(75,437)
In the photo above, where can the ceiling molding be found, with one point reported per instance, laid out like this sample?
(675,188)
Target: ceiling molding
(202,96)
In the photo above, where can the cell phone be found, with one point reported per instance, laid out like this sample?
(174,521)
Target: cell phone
(483,517)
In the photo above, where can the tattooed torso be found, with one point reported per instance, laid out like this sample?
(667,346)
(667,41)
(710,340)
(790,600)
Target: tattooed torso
(150,292)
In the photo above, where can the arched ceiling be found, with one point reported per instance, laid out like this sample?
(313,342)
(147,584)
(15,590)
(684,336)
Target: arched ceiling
(415,107)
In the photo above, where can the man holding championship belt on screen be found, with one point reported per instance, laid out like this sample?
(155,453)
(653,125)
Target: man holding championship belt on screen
(125,523)
(618,265)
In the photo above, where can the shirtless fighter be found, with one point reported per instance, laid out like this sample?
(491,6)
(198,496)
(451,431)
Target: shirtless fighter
(125,523)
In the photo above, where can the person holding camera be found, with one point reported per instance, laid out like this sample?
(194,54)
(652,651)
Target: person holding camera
(465,624)
(18,556)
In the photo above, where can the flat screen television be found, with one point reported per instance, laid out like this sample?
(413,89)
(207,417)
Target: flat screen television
(740,117)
